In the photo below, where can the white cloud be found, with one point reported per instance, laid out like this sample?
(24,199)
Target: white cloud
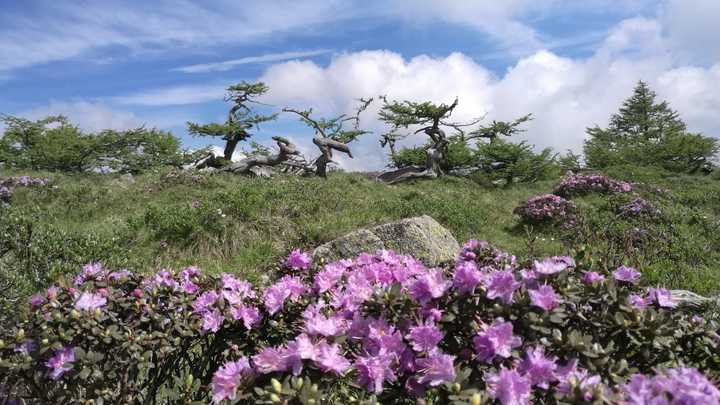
(229,64)
(89,116)
(175,95)
(64,30)
(566,95)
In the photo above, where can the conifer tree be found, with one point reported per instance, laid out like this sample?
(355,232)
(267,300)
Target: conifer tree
(644,132)
(241,118)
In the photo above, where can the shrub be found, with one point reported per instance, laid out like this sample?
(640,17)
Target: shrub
(55,144)
(547,209)
(378,328)
(580,184)
(515,162)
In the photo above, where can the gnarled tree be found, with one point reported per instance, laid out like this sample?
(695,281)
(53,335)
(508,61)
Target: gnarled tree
(442,151)
(330,134)
(287,155)
(405,114)
(241,118)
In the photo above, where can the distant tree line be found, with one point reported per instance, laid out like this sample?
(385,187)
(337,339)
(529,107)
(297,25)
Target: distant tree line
(644,132)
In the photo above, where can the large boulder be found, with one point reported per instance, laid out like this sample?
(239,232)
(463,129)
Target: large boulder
(422,237)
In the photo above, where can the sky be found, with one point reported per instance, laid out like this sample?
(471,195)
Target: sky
(122,64)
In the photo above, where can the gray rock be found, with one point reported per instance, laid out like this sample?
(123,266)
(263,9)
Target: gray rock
(422,237)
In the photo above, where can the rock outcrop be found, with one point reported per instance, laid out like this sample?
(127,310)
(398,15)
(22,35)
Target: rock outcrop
(422,237)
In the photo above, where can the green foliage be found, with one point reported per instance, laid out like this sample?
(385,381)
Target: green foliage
(241,118)
(644,132)
(54,144)
(518,162)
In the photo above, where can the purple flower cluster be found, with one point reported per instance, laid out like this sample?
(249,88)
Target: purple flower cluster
(298,260)
(671,386)
(8,184)
(547,208)
(637,208)
(340,324)
(581,184)
(234,301)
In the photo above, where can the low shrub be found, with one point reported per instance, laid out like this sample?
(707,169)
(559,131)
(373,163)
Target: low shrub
(378,328)
(580,184)
(547,209)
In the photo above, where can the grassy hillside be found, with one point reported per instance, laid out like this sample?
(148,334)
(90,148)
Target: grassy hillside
(227,223)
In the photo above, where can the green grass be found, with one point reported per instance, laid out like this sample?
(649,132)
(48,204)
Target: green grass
(243,225)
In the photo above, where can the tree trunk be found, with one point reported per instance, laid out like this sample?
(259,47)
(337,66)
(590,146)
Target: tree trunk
(230,146)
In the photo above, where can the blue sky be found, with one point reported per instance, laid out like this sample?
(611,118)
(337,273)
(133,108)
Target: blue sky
(122,64)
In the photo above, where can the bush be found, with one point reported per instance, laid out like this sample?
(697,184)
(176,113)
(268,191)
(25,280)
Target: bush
(378,328)
(580,184)
(515,162)
(54,144)
(547,209)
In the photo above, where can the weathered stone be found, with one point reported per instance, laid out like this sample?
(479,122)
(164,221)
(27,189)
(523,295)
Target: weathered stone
(422,237)
(686,298)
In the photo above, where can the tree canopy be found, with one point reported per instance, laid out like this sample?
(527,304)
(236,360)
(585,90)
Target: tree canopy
(645,132)
(241,118)
(54,144)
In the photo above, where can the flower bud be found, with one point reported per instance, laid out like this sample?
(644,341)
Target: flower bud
(2,344)
(74,314)
(275,399)
(456,388)
(475,400)
(20,334)
(45,342)
(314,388)
(277,387)
(297,383)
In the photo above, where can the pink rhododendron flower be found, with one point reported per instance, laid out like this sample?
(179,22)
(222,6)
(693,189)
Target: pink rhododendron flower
(671,386)
(212,320)
(429,286)
(501,284)
(249,315)
(571,376)
(627,274)
(227,378)
(330,359)
(374,371)
(90,271)
(119,275)
(466,277)
(592,277)
(286,287)
(269,360)
(204,302)
(37,300)
(60,362)
(552,265)
(90,301)
(637,301)
(298,260)
(544,297)
(496,340)
(662,297)
(52,293)
(329,277)
(508,387)
(540,370)
(424,338)
(436,369)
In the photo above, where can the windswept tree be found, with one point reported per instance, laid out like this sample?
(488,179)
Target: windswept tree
(241,118)
(442,151)
(332,134)
(287,155)
(645,132)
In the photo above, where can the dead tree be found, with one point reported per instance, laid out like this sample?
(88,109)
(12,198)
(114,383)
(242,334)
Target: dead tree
(287,152)
(330,134)
(241,118)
